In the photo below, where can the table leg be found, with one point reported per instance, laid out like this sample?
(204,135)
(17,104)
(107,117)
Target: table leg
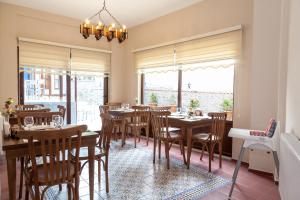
(276,160)
(236,170)
(123,132)
(189,132)
(91,159)
(11,175)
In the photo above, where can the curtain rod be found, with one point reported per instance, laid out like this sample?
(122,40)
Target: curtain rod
(226,30)
(61,45)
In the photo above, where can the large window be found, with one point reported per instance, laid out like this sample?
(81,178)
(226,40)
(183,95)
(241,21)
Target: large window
(161,88)
(56,75)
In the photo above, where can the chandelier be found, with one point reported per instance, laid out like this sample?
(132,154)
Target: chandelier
(114,30)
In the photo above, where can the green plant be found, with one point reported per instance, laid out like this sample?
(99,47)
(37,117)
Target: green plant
(194,103)
(153,98)
(227,104)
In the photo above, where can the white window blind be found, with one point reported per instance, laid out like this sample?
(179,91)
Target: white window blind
(155,58)
(220,50)
(41,55)
(221,47)
(90,61)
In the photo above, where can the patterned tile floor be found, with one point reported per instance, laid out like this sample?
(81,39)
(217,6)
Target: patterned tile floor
(133,176)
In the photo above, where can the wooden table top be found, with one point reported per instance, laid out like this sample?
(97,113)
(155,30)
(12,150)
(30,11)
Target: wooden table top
(13,143)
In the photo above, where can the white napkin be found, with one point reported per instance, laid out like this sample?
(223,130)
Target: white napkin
(38,127)
(6,128)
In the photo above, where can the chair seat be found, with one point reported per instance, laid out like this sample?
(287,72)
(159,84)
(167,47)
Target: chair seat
(84,153)
(41,175)
(172,136)
(172,129)
(204,137)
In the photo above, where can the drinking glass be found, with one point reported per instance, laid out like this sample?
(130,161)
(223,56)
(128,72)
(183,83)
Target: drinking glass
(28,121)
(56,120)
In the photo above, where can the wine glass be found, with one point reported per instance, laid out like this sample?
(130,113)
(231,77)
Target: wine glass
(55,120)
(28,121)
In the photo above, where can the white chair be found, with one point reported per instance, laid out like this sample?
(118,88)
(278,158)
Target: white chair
(254,142)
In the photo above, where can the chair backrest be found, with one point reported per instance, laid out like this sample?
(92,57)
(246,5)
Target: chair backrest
(106,131)
(114,105)
(161,108)
(62,109)
(218,124)
(160,124)
(28,106)
(103,109)
(39,117)
(55,150)
(141,115)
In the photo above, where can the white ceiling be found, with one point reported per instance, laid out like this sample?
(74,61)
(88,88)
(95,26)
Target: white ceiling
(128,12)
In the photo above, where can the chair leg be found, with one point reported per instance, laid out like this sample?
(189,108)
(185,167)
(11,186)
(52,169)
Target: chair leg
(182,151)
(21,177)
(167,154)
(106,174)
(26,192)
(220,154)
(159,149)
(99,172)
(147,134)
(209,156)
(135,131)
(154,149)
(69,192)
(60,187)
(203,147)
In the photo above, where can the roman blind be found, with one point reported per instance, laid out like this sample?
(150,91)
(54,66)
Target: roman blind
(155,58)
(220,47)
(43,56)
(90,61)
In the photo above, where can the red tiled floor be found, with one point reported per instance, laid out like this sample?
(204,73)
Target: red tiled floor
(250,185)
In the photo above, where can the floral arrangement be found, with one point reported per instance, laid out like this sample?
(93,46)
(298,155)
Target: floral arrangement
(7,109)
(194,103)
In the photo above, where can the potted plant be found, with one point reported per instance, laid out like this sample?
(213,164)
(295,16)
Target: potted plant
(7,110)
(153,99)
(227,106)
(194,103)
(172,101)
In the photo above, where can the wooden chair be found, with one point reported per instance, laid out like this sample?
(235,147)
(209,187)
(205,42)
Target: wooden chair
(140,119)
(160,129)
(39,118)
(58,166)
(209,140)
(102,148)
(62,109)
(116,121)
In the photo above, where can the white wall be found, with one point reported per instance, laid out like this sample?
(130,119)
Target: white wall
(293,74)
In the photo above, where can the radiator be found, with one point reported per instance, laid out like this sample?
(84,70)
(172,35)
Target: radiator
(289,175)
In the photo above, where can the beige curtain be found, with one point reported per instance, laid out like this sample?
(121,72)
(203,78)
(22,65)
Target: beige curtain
(155,58)
(41,55)
(90,61)
(225,46)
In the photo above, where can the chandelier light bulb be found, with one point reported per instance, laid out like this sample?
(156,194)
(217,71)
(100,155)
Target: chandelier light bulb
(100,29)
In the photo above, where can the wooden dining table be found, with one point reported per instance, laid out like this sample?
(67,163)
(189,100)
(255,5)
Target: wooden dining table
(187,125)
(122,114)
(16,148)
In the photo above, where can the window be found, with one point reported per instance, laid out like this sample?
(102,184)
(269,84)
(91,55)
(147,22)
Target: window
(210,86)
(201,69)
(55,75)
(161,88)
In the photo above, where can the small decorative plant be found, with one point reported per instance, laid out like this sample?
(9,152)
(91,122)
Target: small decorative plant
(194,103)
(227,105)
(153,98)
(7,110)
